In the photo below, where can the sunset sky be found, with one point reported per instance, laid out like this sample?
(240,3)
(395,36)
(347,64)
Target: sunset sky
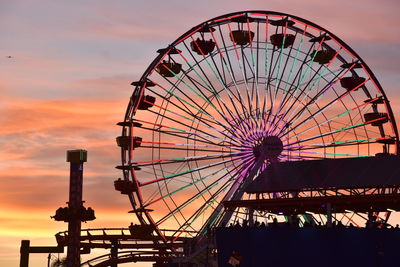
(67,83)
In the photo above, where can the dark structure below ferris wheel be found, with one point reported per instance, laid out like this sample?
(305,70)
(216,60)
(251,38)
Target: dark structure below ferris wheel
(254,118)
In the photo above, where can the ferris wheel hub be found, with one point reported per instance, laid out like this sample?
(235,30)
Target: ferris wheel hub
(269,148)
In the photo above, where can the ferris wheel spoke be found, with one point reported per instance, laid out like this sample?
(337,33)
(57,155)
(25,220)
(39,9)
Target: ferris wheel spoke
(219,72)
(292,92)
(209,203)
(315,80)
(226,59)
(197,120)
(274,113)
(299,103)
(304,92)
(187,135)
(191,184)
(293,118)
(216,95)
(335,144)
(303,157)
(336,117)
(212,199)
(177,191)
(182,101)
(247,172)
(249,90)
(181,105)
(208,82)
(319,111)
(300,81)
(198,195)
(195,217)
(335,73)
(204,134)
(200,94)
(223,81)
(160,162)
(294,61)
(269,78)
(256,69)
(232,97)
(227,63)
(233,128)
(185,172)
(339,130)
(318,96)
(338,138)
(242,69)
(202,140)
(251,46)
(197,91)
(285,93)
(266,69)
(278,79)
(184,205)
(248,69)
(288,56)
(159,147)
(322,92)
(247,78)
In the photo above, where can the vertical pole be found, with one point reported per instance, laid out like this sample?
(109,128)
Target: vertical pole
(76,158)
(329,215)
(24,259)
(114,251)
(251,217)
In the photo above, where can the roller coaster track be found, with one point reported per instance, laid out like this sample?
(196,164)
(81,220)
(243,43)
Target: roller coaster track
(150,248)
(102,238)
(126,256)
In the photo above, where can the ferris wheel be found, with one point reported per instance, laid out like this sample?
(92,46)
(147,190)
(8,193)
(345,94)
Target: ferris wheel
(231,96)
